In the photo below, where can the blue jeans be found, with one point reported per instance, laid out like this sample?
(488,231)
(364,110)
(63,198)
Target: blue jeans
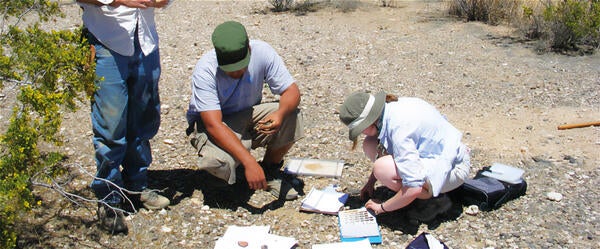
(125,116)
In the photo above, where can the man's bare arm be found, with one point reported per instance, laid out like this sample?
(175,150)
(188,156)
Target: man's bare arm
(224,137)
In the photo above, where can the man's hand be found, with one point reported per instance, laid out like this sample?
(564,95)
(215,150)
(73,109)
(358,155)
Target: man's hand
(255,176)
(270,124)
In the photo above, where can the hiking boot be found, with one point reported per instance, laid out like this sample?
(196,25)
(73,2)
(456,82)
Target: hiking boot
(276,186)
(280,184)
(152,200)
(111,219)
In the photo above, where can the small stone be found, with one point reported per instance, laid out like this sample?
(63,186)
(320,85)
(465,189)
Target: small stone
(166,229)
(169,141)
(554,196)
(242,243)
(472,210)
(490,243)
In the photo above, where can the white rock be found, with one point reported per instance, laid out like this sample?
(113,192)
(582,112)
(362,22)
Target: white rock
(554,196)
(472,210)
(169,141)
(196,201)
(166,229)
(205,208)
(490,243)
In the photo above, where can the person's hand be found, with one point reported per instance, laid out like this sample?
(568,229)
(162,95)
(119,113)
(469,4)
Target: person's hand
(269,125)
(140,4)
(374,206)
(255,177)
(367,191)
(159,3)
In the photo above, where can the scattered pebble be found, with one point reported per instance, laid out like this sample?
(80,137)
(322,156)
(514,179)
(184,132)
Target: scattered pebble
(554,196)
(166,229)
(472,210)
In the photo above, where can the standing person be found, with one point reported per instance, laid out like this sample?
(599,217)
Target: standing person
(228,119)
(126,105)
(415,151)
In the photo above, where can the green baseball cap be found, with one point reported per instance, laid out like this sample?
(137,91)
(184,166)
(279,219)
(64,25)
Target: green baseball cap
(360,110)
(231,45)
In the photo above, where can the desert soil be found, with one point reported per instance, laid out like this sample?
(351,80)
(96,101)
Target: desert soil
(506,98)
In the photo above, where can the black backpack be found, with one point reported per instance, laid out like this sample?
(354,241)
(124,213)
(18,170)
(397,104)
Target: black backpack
(489,193)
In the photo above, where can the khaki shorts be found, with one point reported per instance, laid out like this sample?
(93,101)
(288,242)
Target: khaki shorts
(220,163)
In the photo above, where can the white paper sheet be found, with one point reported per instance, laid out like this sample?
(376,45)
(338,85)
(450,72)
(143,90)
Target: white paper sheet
(360,244)
(255,236)
(327,201)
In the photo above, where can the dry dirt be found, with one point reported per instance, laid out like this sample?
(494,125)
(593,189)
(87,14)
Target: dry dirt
(507,99)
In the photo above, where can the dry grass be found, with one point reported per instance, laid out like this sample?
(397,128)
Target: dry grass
(489,11)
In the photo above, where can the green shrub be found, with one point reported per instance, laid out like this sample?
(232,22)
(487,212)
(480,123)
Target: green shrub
(50,71)
(558,25)
(572,23)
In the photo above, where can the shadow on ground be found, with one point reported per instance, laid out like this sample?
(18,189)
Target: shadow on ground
(179,184)
(432,212)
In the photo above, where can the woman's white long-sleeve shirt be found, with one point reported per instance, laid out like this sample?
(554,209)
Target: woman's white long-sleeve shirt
(422,142)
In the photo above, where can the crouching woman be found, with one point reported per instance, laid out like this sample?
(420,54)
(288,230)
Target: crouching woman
(415,151)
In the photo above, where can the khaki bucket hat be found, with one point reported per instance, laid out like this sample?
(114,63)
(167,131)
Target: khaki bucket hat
(360,110)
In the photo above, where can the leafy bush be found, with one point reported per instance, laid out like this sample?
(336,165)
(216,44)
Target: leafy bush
(573,22)
(557,25)
(49,71)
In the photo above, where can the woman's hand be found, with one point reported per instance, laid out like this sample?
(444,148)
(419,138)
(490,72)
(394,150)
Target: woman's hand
(375,207)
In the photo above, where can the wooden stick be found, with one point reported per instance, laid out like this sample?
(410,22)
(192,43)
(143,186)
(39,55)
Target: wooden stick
(579,125)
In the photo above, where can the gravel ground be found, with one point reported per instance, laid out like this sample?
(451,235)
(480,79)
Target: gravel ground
(507,100)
